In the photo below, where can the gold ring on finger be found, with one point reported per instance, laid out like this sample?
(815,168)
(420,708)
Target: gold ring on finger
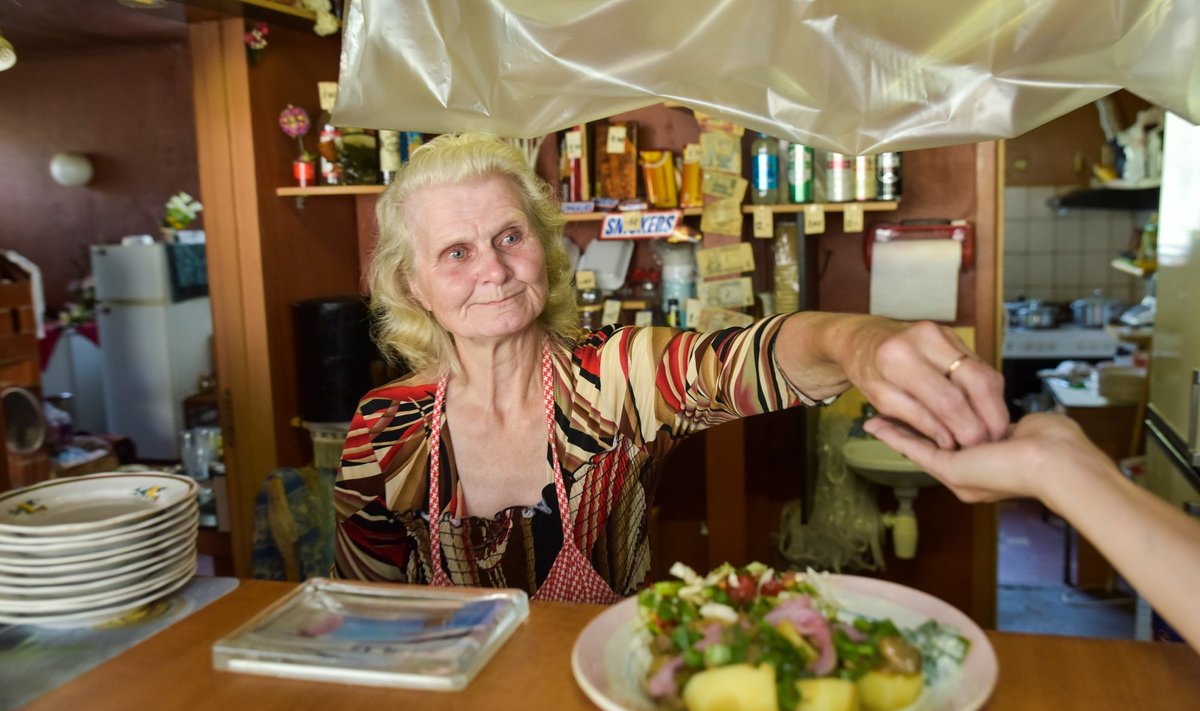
(954,364)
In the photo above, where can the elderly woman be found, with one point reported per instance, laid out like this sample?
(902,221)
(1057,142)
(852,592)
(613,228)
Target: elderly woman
(523,452)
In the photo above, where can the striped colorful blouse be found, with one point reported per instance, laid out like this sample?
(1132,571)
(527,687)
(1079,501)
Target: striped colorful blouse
(624,399)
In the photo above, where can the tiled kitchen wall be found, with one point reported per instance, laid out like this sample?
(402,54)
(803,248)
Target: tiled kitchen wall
(1063,256)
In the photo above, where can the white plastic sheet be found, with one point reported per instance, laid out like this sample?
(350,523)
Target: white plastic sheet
(856,76)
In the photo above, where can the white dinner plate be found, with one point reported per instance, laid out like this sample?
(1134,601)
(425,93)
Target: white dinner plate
(24,540)
(94,502)
(99,614)
(127,564)
(100,599)
(109,581)
(178,534)
(96,542)
(611,675)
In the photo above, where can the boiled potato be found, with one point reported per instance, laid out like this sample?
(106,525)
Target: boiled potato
(827,694)
(737,687)
(887,691)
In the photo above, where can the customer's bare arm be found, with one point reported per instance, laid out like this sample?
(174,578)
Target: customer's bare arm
(1155,546)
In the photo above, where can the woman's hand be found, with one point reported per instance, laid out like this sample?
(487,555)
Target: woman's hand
(1046,456)
(917,373)
(924,375)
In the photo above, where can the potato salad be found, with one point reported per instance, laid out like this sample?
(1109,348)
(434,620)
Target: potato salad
(751,639)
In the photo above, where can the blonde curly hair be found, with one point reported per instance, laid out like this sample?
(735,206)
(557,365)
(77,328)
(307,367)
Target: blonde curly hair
(403,329)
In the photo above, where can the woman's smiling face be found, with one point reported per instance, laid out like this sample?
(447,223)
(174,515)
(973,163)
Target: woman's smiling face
(477,265)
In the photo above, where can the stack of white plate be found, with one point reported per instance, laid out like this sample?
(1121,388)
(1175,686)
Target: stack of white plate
(81,550)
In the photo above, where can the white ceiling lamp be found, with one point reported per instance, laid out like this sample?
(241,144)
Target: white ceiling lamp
(71,170)
(8,55)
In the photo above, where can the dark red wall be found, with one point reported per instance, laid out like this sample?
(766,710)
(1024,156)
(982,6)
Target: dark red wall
(129,109)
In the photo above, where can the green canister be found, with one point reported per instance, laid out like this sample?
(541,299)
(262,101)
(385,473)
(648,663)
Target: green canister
(799,173)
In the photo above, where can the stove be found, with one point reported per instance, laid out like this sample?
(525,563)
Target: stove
(1062,343)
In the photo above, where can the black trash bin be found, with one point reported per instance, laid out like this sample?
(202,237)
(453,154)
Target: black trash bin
(335,353)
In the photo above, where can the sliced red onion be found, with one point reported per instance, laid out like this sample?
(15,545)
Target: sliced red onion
(855,634)
(662,682)
(811,624)
(712,635)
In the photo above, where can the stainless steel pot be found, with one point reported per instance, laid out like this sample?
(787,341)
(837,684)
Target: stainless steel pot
(1096,311)
(1035,313)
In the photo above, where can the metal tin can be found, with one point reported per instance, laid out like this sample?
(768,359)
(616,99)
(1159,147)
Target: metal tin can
(839,177)
(864,178)
(799,173)
(889,181)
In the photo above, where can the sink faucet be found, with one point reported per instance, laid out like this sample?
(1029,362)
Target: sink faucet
(856,428)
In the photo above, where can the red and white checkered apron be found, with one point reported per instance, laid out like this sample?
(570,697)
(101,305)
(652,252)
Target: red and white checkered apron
(572,578)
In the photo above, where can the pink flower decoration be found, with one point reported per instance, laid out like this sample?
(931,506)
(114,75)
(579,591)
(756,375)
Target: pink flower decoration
(294,121)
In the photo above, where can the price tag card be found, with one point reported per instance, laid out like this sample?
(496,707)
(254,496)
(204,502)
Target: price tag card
(852,219)
(721,151)
(326,94)
(616,139)
(717,319)
(814,219)
(631,222)
(722,217)
(691,313)
(691,153)
(585,279)
(612,311)
(643,318)
(730,259)
(725,185)
(764,222)
(726,293)
(575,145)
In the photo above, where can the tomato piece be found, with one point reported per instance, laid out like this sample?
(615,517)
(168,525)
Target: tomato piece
(772,588)
(744,591)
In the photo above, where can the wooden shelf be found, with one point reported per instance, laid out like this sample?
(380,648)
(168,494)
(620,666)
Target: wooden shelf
(280,7)
(828,207)
(324,190)
(600,215)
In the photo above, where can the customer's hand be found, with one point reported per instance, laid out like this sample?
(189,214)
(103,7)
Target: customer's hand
(1045,456)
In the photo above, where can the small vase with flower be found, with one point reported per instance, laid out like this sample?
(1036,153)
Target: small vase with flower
(295,123)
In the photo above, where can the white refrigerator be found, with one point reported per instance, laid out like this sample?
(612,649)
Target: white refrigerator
(154,346)
(1173,412)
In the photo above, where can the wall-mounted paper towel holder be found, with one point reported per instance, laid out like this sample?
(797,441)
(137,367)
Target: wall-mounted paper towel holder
(959,230)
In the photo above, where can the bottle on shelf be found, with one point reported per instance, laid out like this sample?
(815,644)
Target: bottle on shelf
(889,182)
(786,267)
(329,146)
(799,173)
(764,171)
(360,156)
(389,155)
(865,178)
(839,177)
(673,315)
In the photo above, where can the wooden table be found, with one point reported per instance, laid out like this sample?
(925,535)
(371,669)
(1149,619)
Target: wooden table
(173,670)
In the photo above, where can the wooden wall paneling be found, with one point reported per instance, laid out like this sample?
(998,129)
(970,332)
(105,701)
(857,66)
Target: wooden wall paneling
(307,251)
(227,165)
(989,222)
(364,208)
